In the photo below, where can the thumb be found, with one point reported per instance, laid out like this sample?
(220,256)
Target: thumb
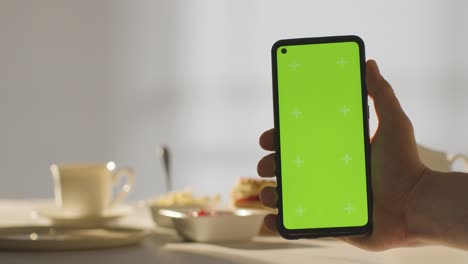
(387,106)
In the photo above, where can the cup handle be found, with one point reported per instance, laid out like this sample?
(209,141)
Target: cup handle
(455,157)
(126,188)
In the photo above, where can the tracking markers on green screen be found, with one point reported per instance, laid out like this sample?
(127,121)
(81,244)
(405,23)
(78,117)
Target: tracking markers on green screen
(323,165)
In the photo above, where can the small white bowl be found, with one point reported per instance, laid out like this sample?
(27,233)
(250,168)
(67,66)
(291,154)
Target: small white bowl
(237,225)
(165,221)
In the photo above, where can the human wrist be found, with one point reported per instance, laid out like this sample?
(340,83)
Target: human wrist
(421,229)
(437,210)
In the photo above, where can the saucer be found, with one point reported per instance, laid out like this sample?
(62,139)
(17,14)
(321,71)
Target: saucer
(69,238)
(67,217)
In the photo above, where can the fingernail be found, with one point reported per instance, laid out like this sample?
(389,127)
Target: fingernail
(376,68)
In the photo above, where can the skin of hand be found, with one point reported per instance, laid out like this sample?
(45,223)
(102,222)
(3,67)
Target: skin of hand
(395,167)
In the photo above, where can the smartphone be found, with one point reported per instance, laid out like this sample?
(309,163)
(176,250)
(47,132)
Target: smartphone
(321,137)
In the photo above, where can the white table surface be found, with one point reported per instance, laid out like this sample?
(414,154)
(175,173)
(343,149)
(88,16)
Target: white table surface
(164,246)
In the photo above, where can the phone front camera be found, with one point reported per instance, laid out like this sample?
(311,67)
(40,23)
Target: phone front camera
(283,50)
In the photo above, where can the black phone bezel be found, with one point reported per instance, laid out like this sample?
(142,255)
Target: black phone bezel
(332,231)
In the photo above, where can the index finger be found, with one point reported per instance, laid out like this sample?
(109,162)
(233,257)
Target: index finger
(267,140)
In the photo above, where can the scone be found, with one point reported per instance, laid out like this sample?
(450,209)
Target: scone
(246,193)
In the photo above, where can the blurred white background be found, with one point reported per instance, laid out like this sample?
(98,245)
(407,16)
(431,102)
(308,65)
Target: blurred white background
(92,81)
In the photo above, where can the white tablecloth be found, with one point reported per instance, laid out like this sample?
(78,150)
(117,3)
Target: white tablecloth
(164,246)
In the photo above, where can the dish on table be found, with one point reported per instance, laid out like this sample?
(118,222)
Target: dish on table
(179,200)
(68,238)
(222,225)
(66,217)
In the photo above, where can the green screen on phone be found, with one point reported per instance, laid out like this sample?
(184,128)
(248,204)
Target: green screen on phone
(322,142)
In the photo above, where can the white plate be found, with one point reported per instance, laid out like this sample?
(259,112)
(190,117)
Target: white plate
(64,217)
(68,238)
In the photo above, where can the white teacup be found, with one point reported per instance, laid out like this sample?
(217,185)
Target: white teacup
(86,190)
(439,160)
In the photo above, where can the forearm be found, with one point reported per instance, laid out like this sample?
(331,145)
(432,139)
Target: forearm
(437,211)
